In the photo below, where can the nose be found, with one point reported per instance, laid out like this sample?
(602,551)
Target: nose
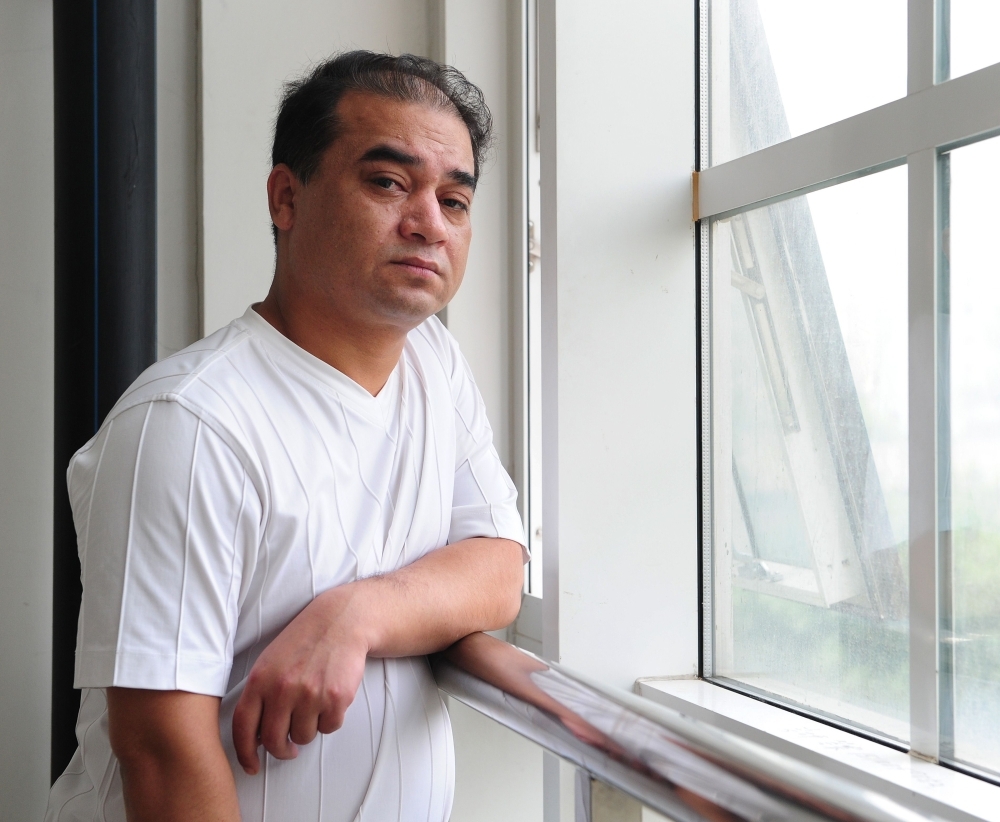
(422,219)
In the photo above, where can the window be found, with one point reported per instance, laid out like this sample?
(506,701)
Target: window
(809,383)
(781,68)
(850,347)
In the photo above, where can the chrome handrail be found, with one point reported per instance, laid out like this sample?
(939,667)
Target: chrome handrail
(675,764)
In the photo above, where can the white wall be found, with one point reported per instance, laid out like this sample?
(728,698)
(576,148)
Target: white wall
(616,95)
(26,351)
(618,348)
(177,288)
(498,774)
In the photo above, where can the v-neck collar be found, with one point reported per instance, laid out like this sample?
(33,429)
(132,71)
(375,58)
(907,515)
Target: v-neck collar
(322,371)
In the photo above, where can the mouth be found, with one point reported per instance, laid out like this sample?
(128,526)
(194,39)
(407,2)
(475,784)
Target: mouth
(419,266)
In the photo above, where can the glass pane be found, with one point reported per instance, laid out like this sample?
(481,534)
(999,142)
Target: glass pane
(974,27)
(780,68)
(975,453)
(809,450)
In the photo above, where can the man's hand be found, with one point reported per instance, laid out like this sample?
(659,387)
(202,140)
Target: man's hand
(307,678)
(172,762)
(303,683)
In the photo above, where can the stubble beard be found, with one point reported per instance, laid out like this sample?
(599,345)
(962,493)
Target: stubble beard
(403,306)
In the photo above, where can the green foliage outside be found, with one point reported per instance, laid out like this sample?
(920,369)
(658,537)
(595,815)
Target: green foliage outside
(864,661)
(976,643)
(842,656)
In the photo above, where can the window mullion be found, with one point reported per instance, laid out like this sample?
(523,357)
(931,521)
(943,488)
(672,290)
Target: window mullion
(705,368)
(923,455)
(923,401)
(921,45)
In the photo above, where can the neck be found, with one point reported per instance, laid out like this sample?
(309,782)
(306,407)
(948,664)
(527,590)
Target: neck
(366,353)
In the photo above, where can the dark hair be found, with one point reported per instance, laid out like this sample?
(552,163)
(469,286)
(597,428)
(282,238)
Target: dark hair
(307,122)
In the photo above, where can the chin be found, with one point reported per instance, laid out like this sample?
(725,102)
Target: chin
(407,309)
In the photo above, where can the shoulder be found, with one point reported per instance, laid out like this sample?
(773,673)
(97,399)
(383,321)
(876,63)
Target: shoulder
(197,386)
(146,460)
(220,379)
(433,343)
(180,374)
(432,337)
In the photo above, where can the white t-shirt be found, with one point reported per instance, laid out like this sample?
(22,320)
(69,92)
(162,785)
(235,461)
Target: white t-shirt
(231,484)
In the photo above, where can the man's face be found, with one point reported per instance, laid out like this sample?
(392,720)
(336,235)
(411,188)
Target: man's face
(381,232)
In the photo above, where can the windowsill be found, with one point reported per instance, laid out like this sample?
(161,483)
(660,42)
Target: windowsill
(927,788)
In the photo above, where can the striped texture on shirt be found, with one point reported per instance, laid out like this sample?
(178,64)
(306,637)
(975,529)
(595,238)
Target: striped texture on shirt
(230,485)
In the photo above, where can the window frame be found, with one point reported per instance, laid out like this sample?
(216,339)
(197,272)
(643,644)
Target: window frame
(937,115)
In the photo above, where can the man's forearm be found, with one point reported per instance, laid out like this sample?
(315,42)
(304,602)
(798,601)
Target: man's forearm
(473,585)
(308,676)
(172,763)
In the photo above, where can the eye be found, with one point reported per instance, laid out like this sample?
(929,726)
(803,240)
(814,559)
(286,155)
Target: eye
(456,205)
(386,182)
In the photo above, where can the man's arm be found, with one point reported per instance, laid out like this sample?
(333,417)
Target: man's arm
(308,676)
(172,762)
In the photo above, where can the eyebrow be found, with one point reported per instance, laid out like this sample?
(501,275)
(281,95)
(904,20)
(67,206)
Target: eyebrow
(394,155)
(463,178)
(390,154)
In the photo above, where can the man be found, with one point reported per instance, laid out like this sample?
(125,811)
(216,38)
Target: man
(278,522)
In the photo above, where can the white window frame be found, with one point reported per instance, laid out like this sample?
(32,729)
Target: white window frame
(934,117)
(927,788)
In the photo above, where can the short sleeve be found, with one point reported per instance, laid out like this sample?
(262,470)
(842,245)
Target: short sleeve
(485,500)
(167,525)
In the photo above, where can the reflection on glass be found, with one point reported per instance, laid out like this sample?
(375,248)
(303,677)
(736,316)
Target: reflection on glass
(973,515)
(974,25)
(810,485)
(780,68)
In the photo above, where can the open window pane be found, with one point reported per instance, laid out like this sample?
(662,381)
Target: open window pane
(809,451)
(971,518)
(974,41)
(780,68)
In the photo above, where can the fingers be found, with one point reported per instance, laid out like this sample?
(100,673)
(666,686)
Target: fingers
(275,724)
(313,714)
(305,721)
(293,692)
(258,721)
(327,723)
(279,713)
(246,722)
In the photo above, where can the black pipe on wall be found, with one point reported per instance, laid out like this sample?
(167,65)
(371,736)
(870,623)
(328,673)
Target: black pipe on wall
(105,266)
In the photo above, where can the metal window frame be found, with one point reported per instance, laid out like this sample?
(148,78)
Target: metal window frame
(934,117)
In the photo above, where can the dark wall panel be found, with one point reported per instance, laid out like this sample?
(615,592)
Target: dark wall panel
(105,265)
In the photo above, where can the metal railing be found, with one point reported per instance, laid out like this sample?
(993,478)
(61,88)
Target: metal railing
(678,766)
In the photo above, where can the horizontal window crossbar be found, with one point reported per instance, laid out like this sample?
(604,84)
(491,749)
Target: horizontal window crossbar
(943,116)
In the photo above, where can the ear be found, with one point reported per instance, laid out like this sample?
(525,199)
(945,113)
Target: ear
(282,188)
